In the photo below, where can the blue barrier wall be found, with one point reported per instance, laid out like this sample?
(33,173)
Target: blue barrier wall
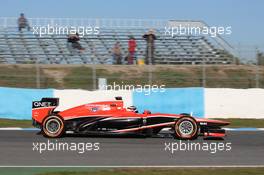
(173,100)
(16,103)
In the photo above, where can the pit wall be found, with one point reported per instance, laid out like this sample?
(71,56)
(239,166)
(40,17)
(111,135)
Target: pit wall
(15,103)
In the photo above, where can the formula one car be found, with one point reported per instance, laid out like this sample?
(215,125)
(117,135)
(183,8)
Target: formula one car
(111,117)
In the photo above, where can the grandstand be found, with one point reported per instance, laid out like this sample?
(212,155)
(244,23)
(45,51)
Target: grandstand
(25,47)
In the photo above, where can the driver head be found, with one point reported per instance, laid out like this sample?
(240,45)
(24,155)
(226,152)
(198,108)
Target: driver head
(132,108)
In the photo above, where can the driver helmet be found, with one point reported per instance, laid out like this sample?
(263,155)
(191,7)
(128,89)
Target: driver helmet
(132,108)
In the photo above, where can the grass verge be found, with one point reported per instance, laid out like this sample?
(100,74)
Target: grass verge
(15,123)
(245,123)
(134,171)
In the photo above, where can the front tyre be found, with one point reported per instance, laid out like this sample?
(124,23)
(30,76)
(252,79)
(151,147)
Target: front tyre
(186,128)
(53,127)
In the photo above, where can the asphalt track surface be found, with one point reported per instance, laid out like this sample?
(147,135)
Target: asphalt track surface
(16,149)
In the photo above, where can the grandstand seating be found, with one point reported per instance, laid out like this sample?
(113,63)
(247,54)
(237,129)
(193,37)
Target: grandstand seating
(25,47)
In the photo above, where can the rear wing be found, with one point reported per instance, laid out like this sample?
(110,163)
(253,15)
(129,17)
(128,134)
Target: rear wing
(45,102)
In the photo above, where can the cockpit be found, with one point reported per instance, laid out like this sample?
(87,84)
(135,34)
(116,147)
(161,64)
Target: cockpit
(132,109)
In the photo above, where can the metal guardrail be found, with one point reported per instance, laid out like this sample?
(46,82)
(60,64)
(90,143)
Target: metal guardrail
(100,22)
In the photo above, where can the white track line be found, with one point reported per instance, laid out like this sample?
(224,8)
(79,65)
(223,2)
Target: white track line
(18,129)
(244,129)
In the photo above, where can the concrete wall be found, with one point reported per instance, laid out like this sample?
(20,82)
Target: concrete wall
(172,100)
(15,103)
(234,103)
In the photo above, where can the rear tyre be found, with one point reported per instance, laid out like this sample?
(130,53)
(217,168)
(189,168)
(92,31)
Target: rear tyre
(53,127)
(186,128)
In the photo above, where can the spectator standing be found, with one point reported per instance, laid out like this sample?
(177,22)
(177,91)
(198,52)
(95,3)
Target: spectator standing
(131,49)
(117,55)
(74,40)
(22,22)
(150,38)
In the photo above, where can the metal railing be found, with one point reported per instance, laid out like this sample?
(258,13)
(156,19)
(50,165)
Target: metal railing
(86,76)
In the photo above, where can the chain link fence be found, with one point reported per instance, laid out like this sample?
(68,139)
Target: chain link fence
(86,76)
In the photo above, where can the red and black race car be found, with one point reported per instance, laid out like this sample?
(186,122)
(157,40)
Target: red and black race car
(111,117)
